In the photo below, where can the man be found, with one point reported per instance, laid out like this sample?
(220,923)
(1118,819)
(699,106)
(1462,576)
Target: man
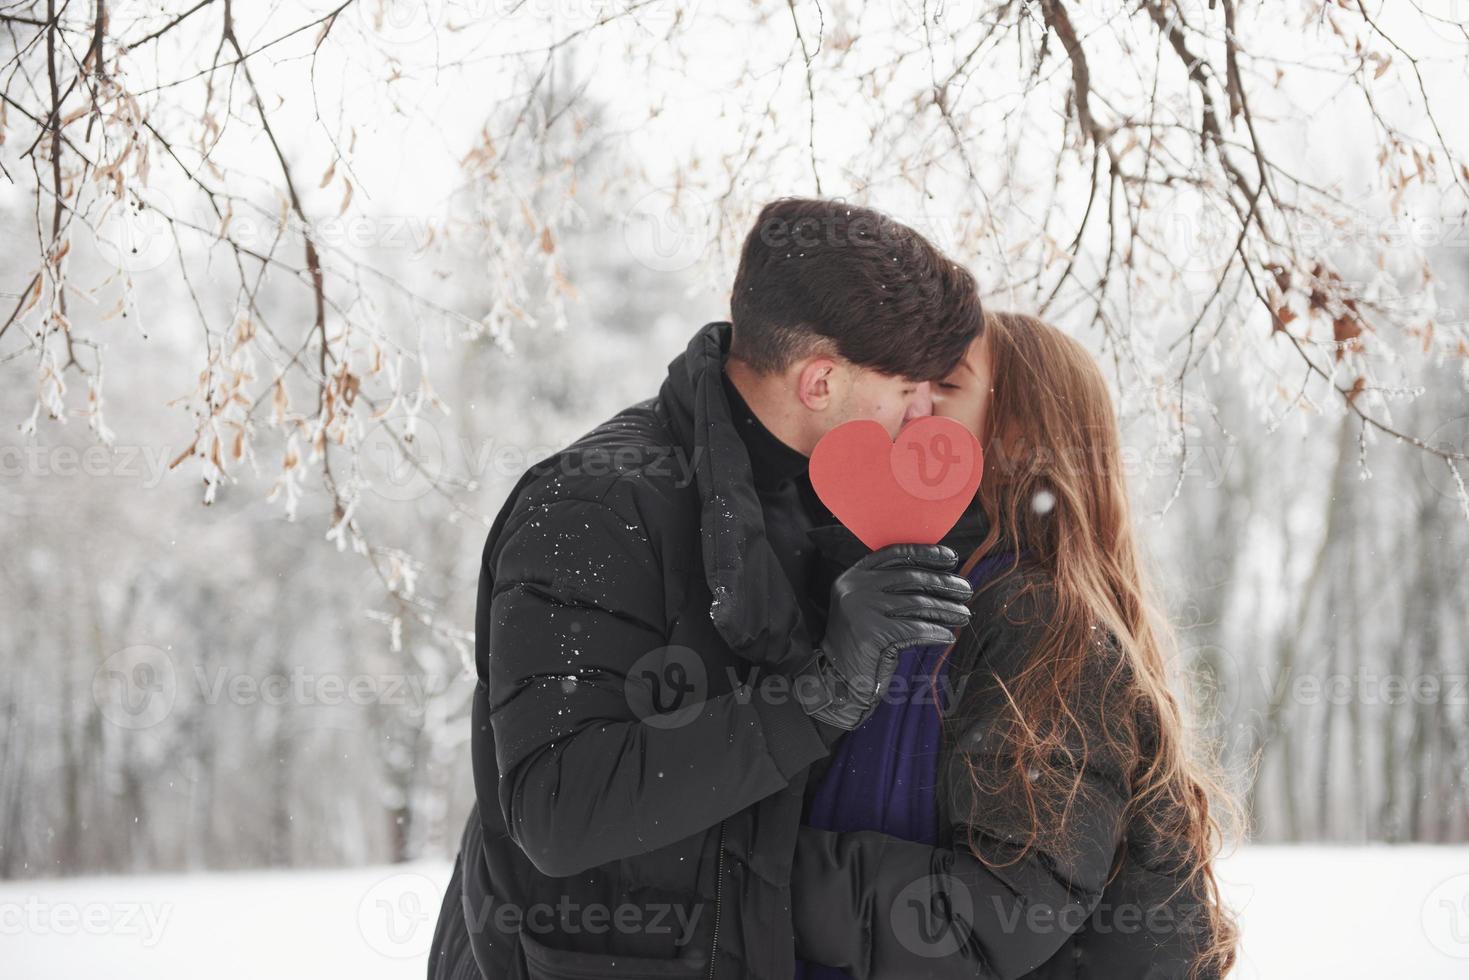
(661,652)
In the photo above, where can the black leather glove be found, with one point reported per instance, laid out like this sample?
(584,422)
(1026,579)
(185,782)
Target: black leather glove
(901,596)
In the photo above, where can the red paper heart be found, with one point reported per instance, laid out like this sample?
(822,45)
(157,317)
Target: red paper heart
(909,491)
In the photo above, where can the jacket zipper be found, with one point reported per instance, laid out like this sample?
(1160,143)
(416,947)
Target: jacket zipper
(718,880)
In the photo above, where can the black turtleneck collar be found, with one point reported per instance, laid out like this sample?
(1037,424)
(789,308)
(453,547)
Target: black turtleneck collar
(771,460)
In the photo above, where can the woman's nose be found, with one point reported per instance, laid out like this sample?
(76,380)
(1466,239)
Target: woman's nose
(920,404)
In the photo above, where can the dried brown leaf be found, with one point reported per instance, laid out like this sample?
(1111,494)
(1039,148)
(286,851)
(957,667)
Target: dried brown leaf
(1346,331)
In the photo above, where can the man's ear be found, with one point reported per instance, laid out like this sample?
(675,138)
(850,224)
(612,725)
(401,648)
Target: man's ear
(816,381)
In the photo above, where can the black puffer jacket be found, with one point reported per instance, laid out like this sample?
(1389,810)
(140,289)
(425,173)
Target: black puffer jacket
(639,760)
(1100,904)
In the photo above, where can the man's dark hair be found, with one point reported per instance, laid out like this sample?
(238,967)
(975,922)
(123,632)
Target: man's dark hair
(817,274)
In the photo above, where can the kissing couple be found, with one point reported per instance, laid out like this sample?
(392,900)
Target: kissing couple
(715,736)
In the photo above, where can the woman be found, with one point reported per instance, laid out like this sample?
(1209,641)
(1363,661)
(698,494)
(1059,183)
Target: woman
(1043,758)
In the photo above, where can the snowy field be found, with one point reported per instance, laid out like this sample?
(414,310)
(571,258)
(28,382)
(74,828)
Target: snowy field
(1372,912)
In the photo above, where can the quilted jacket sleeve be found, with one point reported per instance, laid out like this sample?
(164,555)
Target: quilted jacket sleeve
(604,749)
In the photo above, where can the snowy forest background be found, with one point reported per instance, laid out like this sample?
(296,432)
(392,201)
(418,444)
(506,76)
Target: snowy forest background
(277,678)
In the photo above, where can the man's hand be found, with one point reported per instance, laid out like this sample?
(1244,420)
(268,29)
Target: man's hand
(901,596)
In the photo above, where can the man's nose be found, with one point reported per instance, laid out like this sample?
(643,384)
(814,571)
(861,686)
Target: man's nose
(920,404)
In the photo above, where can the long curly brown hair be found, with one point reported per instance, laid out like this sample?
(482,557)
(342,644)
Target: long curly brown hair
(1054,484)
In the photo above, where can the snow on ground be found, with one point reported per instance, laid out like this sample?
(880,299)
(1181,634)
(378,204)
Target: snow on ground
(1371,912)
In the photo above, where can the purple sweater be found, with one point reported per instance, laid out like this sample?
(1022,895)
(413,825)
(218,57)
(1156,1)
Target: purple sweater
(883,775)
